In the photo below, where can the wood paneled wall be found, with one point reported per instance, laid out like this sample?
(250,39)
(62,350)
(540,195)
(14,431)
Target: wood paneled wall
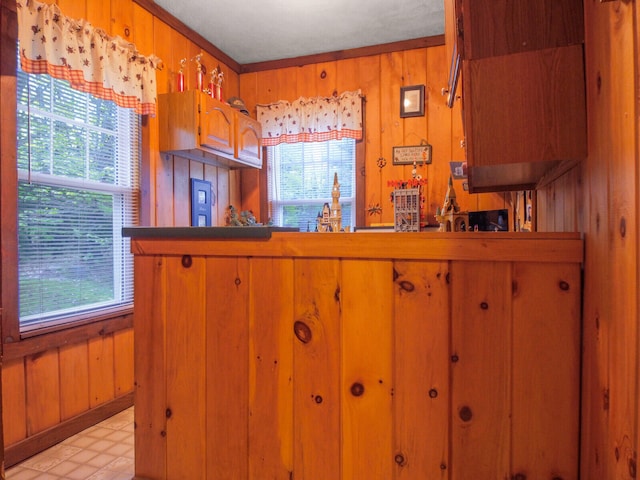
(380,78)
(358,356)
(65,383)
(600,198)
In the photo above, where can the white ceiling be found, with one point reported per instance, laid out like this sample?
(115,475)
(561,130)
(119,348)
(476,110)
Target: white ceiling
(251,31)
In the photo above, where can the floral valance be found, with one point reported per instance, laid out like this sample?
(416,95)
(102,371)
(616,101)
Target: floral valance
(92,61)
(312,119)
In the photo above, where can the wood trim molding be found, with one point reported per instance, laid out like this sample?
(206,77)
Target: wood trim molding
(68,336)
(423,42)
(41,441)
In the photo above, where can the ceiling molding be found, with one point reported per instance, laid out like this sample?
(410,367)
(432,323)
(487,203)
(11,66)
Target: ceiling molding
(423,42)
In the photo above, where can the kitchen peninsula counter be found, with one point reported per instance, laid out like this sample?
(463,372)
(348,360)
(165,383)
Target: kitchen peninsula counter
(356,355)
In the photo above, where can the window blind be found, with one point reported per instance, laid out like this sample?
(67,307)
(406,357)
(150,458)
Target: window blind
(300,180)
(77,187)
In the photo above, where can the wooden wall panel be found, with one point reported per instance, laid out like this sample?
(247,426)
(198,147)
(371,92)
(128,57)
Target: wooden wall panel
(74,396)
(316,372)
(185,347)
(540,356)
(101,374)
(421,365)
(123,361)
(367,377)
(151,397)
(14,402)
(271,369)
(227,363)
(121,18)
(600,199)
(481,342)
(43,391)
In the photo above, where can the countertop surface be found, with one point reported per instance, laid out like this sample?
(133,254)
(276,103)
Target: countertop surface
(204,232)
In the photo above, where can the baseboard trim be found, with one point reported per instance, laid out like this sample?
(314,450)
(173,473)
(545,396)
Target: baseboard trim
(28,447)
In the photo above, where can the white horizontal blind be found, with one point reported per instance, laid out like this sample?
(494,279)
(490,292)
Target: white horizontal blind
(300,180)
(78,164)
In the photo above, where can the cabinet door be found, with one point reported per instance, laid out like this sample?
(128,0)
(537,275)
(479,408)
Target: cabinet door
(526,107)
(501,27)
(248,146)
(216,126)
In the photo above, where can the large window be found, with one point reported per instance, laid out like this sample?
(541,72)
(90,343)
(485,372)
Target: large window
(300,180)
(78,186)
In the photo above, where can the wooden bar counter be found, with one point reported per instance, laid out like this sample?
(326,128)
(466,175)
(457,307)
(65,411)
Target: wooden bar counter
(356,356)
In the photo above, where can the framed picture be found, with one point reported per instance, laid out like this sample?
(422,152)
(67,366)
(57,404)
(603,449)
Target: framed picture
(412,101)
(201,203)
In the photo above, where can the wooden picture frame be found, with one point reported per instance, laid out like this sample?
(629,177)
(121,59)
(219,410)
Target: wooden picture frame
(412,101)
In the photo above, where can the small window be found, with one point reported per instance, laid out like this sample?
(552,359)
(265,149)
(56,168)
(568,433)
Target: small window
(300,180)
(77,187)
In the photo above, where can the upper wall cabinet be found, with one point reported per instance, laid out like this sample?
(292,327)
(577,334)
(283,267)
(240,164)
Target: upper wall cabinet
(194,125)
(523,89)
(502,27)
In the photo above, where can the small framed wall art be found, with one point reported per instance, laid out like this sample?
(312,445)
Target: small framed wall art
(412,101)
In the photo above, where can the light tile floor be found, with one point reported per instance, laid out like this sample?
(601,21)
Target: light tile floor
(101,452)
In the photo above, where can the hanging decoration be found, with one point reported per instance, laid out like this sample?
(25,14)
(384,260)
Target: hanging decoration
(92,61)
(312,119)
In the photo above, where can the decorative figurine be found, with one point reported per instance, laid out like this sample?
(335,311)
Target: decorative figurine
(212,83)
(220,78)
(199,71)
(180,79)
(330,218)
(451,219)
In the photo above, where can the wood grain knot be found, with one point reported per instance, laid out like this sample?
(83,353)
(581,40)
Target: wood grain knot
(433,393)
(357,389)
(443,466)
(617,454)
(323,74)
(564,285)
(407,286)
(163,433)
(519,476)
(168,413)
(127,32)
(557,478)
(632,467)
(302,331)
(454,358)
(187,261)
(465,414)
(318,399)
(623,227)
(484,306)
(237,281)
(400,460)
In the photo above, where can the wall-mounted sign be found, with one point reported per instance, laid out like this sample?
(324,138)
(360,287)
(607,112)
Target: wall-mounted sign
(420,154)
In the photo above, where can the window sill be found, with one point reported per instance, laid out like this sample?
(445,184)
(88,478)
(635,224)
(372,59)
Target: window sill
(84,327)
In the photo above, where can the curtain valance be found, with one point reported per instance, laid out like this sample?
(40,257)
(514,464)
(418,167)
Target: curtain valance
(92,61)
(312,119)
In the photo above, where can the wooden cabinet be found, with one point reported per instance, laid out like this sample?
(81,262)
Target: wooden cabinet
(523,89)
(357,356)
(194,125)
